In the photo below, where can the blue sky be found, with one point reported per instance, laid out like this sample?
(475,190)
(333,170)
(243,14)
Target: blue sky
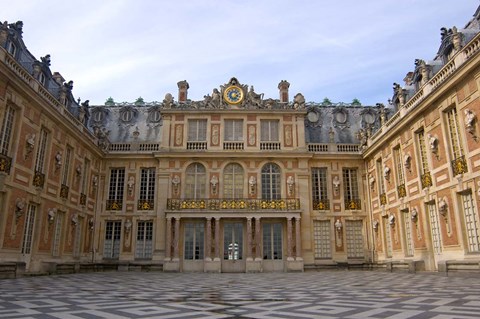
(336,49)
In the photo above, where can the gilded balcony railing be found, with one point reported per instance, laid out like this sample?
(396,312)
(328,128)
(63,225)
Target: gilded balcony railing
(401,191)
(352,204)
(5,163)
(426,180)
(145,204)
(233,204)
(114,204)
(38,179)
(383,199)
(64,191)
(321,204)
(83,199)
(459,165)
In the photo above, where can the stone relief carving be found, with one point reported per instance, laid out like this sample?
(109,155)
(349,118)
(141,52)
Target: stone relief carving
(290,185)
(175,184)
(29,144)
(252,184)
(470,121)
(336,185)
(214,184)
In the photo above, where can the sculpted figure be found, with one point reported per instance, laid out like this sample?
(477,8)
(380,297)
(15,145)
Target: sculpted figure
(253,98)
(470,121)
(298,101)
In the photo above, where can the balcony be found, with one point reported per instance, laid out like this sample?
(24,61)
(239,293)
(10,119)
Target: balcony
(38,180)
(5,163)
(64,189)
(333,148)
(114,204)
(426,180)
(383,199)
(83,199)
(459,166)
(321,204)
(270,146)
(145,204)
(352,204)
(233,146)
(196,146)
(244,204)
(401,191)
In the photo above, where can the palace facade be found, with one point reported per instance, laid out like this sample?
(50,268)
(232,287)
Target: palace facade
(239,182)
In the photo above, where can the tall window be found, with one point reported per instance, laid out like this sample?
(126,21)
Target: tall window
(435,228)
(66,166)
(319,188)
(78,238)
(147,188)
(86,169)
(354,238)
(459,164)
(471,223)
(233,180)
(233,130)
(197,130)
(194,239)
(407,223)
(272,241)
(6,130)
(271,181)
(111,248)
(399,173)
(350,188)
(57,235)
(195,182)
(322,237)
(115,191)
(269,131)
(424,169)
(28,230)
(144,246)
(12,48)
(388,237)
(41,150)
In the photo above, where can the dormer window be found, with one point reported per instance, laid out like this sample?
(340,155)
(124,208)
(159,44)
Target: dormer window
(42,78)
(12,48)
(127,116)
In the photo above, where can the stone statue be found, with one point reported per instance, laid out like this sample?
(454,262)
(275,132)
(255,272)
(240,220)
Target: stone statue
(470,121)
(298,101)
(252,182)
(168,101)
(253,98)
(215,100)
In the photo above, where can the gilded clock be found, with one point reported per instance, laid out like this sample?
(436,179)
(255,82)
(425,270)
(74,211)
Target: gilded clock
(233,94)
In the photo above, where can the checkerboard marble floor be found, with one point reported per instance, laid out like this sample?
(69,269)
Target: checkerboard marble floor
(328,294)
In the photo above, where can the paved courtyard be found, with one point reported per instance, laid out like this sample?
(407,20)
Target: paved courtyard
(328,294)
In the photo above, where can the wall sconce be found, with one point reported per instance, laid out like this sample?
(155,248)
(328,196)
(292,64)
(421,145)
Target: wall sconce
(407,162)
(414,215)
(19,207)
(58,160)
(336,185)
(128,226)
(252,183)
(29,144)
(443,207)
(371,181)
(338,225)
(386,173)
(290,184)
(391,220)
(214,184)
(75,220)
(51,214)
(175,184)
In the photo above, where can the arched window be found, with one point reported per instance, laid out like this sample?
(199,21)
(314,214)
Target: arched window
(233,180)
(271,181)
(195,182)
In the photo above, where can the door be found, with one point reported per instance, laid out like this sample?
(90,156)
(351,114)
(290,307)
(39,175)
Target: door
(111,249)
(233,259)
(28,234)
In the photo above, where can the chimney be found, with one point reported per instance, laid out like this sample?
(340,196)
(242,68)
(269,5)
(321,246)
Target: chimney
(283,88)
(182,91)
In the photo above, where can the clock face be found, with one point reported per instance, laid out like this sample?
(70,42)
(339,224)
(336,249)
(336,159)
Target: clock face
(233,94)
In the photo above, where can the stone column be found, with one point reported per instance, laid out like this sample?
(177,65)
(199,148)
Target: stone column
(249,238)
(298,240)
(176,238)
(289,238)
(208,240)
(217,238)
(258,255)
(168,244)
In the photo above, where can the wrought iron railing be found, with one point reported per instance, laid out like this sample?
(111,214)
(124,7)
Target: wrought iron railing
(5,163)
(426,179)
(64,189)
(233,204)
(459,166)
(145,204)
(401,191)
(383,199)
(352,204)
(321,204)
(114,204)
(83,199)
(38,179)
